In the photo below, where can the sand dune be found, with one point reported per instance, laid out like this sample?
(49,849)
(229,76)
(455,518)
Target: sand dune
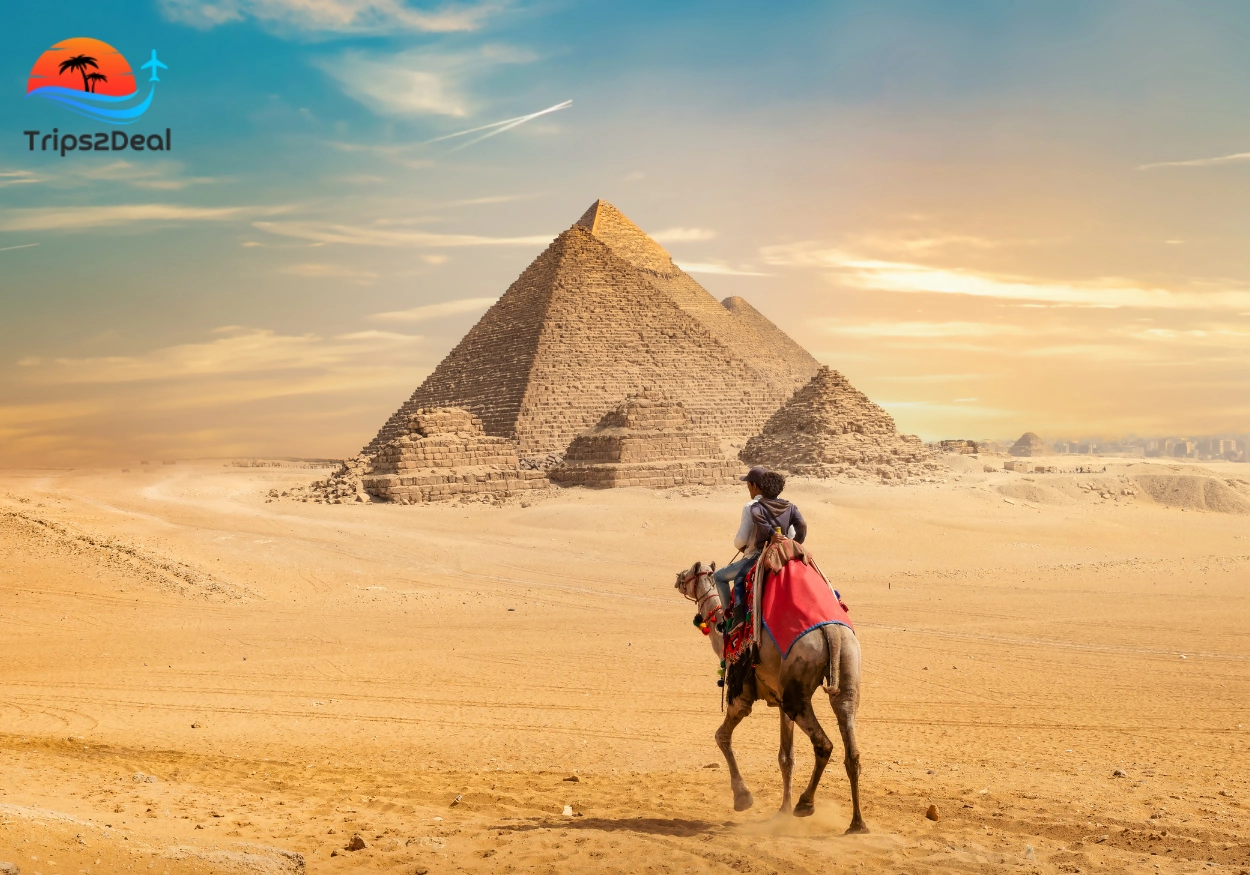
(197,680)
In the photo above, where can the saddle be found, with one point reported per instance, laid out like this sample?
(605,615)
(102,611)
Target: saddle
(779,551)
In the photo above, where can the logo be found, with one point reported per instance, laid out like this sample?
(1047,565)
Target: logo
(93,79)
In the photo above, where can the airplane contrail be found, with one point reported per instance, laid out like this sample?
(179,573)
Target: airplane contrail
(499,127)
(1198,162)
(23,246)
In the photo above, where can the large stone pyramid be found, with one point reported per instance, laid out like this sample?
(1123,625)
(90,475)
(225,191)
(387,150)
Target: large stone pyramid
(602,314)
(830,428)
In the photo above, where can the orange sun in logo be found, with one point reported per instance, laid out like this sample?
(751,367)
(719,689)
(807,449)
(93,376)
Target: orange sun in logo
(83,64)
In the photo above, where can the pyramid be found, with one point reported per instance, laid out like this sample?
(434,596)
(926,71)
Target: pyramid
(647,440)
(600,315)
(777,348)
(733,321)
(1028,445)
(445,453)
(830,428)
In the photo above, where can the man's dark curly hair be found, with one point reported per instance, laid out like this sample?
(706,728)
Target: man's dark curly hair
(771,484)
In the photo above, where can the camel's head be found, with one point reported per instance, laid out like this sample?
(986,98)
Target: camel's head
(696,583)
(692,582)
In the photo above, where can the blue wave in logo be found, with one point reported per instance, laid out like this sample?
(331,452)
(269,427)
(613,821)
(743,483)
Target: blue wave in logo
(96,106)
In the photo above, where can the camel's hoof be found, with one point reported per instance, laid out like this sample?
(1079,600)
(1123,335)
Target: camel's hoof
(743,801)
(784,810)
(857,827)
(804,809)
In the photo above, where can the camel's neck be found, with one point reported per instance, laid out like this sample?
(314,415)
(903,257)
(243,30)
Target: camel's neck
(710,606)
(718,643)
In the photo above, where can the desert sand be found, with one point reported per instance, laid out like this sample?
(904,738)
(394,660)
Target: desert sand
(195,678)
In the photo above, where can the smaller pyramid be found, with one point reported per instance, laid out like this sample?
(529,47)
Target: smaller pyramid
(829,428)
(444,453)
(647,440)
(1028,445)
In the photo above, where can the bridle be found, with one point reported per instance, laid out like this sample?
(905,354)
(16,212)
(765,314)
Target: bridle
(709,593)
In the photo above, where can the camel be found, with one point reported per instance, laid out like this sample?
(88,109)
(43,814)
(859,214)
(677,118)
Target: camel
(828,653)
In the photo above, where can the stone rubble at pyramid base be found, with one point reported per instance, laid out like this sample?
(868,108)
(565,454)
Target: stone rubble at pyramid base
(542,463)
(343,486)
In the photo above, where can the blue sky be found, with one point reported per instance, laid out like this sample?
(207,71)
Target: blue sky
(990,216)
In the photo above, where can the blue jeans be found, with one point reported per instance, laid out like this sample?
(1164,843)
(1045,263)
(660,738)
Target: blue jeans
(735,572)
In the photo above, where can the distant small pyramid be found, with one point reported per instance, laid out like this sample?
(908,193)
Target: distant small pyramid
(830,428)
(1028,445)
(601,314)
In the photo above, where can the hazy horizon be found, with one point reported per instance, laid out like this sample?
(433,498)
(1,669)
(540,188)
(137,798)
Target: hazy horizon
(991,218)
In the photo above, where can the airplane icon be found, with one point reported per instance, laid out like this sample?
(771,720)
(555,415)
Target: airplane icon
(154,65)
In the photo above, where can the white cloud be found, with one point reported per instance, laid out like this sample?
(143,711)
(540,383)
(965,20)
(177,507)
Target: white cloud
(896,276)
(156,176)
(355,235)
(713,268)
(1200,162)
(19,246)
(160,176)
(683,235)
(427,312)
(78,218)
(313,17)
(236,350)
(18,177)
(419,82)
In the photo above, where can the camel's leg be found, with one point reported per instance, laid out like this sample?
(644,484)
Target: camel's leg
(844,708)
(737,711)
(798,704)
(785,759)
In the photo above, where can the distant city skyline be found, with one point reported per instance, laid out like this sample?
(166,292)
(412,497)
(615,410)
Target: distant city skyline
(1228,447)
(990,217)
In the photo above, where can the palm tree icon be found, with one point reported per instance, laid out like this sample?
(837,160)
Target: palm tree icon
(80,63)
(95,79)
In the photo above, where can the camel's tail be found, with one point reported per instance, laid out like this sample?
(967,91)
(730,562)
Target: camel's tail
(833,643)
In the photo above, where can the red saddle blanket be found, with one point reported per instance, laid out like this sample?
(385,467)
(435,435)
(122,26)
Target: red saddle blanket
(796,600)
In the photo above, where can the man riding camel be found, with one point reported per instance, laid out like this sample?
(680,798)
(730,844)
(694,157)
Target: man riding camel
(761,516)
